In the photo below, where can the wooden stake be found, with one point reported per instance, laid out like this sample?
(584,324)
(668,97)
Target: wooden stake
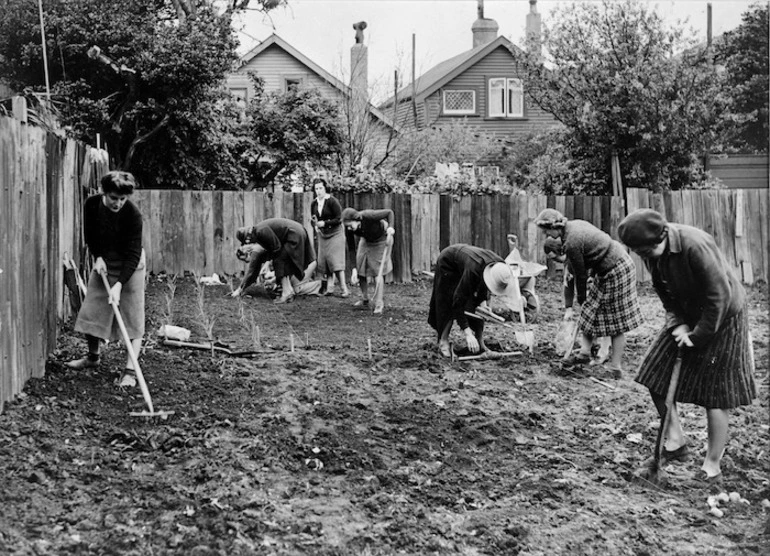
(291,341)
(369,345)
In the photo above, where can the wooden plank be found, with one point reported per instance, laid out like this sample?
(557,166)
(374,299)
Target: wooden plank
(402,253)
(461,220)
(578,212)
(688,207)
(198,232)
(218,225)
(432,214)
(596,209)
(156,261)
(675,210)
(569,207)
(606,213)
(418,236)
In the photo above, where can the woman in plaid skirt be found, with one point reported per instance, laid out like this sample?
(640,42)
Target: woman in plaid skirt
(706,318)
(610,305)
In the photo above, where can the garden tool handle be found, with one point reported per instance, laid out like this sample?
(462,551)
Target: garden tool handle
(129,347)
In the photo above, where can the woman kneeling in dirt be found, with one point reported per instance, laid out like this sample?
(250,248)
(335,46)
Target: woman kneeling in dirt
(375,230)
(112,226)
(706,321)
(465,277)
(283,241)
(610,307)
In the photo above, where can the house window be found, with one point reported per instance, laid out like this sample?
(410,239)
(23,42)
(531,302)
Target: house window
(292,83)
(459,102)
(240,96)
(506,98)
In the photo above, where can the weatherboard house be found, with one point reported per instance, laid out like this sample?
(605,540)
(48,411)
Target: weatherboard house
(482,85)
(282,67)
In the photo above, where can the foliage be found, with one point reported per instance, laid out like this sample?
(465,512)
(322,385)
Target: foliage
(148,86)
(621,81)
(744,54)
(417,152)
(288,130)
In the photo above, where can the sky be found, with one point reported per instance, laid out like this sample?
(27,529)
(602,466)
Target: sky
(323,31)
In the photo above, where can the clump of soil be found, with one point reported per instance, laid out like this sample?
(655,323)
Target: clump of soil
(344,433)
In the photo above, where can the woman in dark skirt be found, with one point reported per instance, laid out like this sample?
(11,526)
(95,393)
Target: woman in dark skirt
(283,241)
(610,306)
(706,318)
(465,277)
(373,228)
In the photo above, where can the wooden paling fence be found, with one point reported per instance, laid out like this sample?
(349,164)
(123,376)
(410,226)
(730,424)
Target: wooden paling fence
(41,191)
(194,231)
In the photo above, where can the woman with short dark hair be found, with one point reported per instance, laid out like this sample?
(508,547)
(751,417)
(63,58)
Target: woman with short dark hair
(326,215)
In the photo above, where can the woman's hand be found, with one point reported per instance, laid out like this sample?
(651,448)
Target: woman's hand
(100,267)
(471,341)
(390,231)
(114,293)
(320,223)
(681,335)
(569,314)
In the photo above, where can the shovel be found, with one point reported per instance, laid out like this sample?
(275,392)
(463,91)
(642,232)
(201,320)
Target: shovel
(656,475)
(379,281)
(134,361)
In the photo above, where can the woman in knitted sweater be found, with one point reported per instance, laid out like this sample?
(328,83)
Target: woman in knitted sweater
(610,306)
(373,228)
(112,226)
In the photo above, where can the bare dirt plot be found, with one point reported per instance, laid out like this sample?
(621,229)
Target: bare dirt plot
(331,450)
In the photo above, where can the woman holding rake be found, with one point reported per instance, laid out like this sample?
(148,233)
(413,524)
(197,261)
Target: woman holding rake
(112,227)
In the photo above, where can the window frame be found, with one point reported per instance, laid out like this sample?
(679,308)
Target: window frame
(291,80)
(504,97)
(462,112)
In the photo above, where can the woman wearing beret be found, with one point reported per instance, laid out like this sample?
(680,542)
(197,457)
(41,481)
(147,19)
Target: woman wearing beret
(465,277)
(283,241)
(706,318)
(327,218)
(610,306)
(373,228)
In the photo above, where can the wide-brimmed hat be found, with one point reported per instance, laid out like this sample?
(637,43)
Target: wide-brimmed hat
(500,279)
(643,228)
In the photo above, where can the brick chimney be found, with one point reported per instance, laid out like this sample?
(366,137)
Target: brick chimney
(534,25)
(359,69)
(484,30)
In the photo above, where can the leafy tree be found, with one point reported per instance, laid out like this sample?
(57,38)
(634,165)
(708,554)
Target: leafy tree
(621,81)
(289,130)
(144,74)
(744,54)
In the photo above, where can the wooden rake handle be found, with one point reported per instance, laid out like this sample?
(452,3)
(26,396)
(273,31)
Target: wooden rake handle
(385,255)
(129,347)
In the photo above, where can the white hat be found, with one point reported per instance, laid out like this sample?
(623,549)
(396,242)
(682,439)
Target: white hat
(500,280)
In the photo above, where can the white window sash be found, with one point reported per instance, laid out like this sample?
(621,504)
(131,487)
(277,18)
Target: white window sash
(497,97)
(515,98)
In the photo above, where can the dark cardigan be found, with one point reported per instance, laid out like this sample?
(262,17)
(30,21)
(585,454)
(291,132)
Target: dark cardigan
(120,233)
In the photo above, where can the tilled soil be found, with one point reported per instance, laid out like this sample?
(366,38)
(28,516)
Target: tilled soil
(345,433)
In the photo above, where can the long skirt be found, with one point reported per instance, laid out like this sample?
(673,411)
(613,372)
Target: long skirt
(331,252)
(295,256)
(97,318)
(368,257)
(612,304)
(719,375)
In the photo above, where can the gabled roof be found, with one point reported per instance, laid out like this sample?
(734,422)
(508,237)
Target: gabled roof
(315,68)
(441,74)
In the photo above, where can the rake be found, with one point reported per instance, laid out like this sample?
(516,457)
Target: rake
(134,361)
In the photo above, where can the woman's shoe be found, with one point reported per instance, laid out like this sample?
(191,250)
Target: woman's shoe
(284,299)
(378,309)
(345,294)
(578,358)
(361,303)
(127,379)
(83,363)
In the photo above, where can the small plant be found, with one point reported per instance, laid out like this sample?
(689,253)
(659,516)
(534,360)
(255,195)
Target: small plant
(254,329)
(168,312)
(207,322)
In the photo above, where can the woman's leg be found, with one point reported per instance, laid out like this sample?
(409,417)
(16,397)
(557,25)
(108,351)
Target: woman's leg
(618,347)
(674,434)
(364,288)
(443,340)
(92,357)
(717,421)
(287,291)
(586,341)
(341,279)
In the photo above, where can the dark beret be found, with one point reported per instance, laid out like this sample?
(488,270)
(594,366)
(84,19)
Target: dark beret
(642,228)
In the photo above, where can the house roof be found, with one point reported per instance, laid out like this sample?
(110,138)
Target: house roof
(318,70)
(442,73)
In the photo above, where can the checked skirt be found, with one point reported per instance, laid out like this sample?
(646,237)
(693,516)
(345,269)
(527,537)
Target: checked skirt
(612,304)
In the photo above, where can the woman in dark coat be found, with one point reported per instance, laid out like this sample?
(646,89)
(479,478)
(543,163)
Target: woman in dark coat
(373,228)
(706,319)
(326,214)
(610,306)
(283,241)
(465,277)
